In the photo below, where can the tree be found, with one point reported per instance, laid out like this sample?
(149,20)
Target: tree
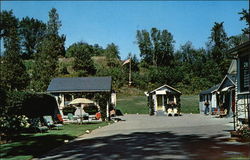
(54,23)
(52,30)
(13,73)
(32,31)
(245,17)
(112,51)
(218,42)
(157,47)
(165,56)
(83,64)
(47,54)
(145,46)
(46,64)
(218,48)
(236,40)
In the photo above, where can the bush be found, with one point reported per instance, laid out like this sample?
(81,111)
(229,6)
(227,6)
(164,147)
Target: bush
(69,109)
(20,105)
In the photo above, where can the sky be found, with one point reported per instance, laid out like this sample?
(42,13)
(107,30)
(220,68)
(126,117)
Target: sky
(104,22)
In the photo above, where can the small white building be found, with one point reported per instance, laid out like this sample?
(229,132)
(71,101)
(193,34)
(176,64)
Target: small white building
(162,99)
(209,96)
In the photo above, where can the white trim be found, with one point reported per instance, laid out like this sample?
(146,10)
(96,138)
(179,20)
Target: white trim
(224,80)
(247,92)
(226,88)
(166,86)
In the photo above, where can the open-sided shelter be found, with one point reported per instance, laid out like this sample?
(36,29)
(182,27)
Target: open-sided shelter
(162,98)
(64,89)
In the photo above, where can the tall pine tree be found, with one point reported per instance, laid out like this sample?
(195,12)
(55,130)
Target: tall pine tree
(49,49)
(13,72)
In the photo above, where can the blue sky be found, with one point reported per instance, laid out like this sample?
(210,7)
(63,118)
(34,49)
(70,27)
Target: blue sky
(117,21)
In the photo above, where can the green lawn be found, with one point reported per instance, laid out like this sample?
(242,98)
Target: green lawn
(138,104)
(27,146)
(190,104)
(133,104)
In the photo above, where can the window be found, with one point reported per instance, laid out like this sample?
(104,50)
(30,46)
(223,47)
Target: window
(244,74)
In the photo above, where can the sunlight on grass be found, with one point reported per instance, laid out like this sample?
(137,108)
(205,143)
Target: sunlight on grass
(138,104)
(27,145)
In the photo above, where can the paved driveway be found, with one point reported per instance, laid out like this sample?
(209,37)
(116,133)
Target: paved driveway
(190,136)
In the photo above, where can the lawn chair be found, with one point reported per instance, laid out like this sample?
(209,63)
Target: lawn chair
(175,111)
(36,126)
(170,112)
(50,123)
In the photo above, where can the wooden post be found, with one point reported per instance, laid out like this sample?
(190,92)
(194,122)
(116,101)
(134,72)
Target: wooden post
(107,110)
(129,81)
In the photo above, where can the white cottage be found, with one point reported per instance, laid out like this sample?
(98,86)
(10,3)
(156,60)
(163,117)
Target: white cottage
(209,96)
(164,100)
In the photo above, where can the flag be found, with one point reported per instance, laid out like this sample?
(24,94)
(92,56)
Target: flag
(127,61)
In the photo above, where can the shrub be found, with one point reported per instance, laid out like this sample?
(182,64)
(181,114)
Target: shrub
(18,104)
(69,109)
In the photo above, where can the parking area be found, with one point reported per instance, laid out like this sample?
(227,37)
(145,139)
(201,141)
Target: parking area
(190,136)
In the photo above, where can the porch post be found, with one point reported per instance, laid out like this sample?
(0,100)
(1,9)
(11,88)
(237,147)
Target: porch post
(163,105)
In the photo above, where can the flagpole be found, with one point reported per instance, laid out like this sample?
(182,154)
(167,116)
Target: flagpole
(129,82)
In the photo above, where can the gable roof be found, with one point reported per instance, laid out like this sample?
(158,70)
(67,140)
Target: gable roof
(229,80)
(167,86)
(210,90)
(80,84)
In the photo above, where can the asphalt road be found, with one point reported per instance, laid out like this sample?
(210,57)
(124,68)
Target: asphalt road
(191,136)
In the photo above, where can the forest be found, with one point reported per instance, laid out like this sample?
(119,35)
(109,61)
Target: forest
(34,52)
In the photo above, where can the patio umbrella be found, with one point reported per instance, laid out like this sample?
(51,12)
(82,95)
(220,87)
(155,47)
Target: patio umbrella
(82,102)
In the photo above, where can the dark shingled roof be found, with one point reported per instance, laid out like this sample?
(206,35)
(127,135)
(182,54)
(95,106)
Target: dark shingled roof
(80,84)
(210,90)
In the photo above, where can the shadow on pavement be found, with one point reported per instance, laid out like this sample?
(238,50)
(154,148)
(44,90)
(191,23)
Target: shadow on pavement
(152,145)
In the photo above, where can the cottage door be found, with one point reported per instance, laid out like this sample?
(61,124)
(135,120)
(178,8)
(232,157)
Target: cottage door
(159,102)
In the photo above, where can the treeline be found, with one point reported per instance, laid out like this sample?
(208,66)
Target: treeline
(34,53)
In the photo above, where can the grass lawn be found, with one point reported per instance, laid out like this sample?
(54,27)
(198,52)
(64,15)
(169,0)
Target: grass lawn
(138,104)
(190,104)
(133,104)
(27,146)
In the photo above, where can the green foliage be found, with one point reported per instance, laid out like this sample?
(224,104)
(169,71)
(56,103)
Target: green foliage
(31,32)
(236,40)
(19,105)
(112,51)
(101,99)
(96,50)
(54,23)
(52,45)
(218,42)
(69,109)
(245,17)
(117,74)
(83,64)
(156,48)
(13,73)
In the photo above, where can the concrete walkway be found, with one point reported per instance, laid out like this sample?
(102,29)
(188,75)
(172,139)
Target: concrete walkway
(191,136)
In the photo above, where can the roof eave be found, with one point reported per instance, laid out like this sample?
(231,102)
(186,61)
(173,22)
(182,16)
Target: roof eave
(74,91)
